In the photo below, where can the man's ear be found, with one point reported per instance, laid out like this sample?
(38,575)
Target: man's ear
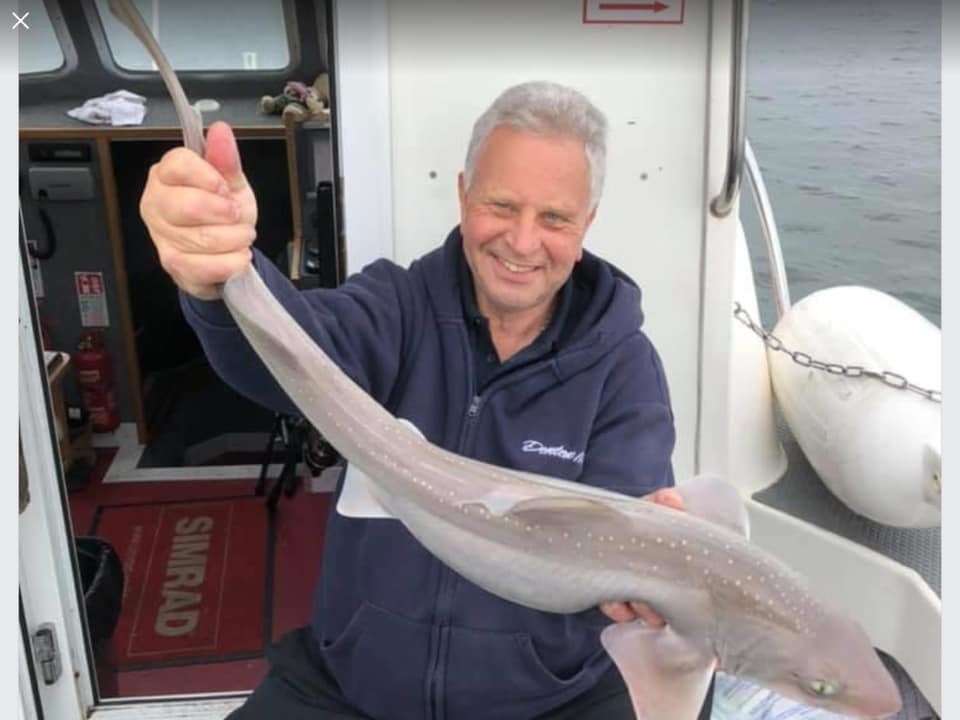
(590,217)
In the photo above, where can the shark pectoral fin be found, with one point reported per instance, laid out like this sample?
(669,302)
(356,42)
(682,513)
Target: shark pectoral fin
(711,498)
(666,676)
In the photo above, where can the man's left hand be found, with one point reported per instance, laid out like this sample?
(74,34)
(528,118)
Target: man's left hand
(628,611)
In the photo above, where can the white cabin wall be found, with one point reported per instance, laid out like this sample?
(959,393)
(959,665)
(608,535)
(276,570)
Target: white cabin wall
(449,60)
(363,127)
(716,432)
(664,89)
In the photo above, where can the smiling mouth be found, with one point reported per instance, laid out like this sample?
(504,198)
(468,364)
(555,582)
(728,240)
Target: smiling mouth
(514,267)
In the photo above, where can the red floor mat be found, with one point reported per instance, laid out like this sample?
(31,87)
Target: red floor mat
(299,529)
(194,580)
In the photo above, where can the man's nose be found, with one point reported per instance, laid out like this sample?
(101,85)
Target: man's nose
(524,237)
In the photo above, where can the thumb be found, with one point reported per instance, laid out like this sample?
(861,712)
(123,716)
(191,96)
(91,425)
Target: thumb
(223,154)
(669,497)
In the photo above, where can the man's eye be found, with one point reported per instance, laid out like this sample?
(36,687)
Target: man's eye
(554,219)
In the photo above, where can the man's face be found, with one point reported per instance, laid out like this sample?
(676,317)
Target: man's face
(523,219)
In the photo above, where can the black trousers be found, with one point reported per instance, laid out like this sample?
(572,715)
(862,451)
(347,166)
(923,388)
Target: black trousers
(299,687)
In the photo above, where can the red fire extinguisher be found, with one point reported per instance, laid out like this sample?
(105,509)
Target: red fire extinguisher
(95,376)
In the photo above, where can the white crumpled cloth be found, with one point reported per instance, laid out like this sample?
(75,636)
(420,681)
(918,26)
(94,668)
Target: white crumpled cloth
(121,107)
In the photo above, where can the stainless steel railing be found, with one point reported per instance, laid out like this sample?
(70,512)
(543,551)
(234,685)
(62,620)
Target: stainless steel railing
(723,203)
(768,225)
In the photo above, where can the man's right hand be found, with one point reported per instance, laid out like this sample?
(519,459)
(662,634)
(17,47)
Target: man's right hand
(201,214)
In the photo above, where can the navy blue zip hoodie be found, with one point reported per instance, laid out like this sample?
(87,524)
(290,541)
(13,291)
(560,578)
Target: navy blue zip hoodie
(403,635)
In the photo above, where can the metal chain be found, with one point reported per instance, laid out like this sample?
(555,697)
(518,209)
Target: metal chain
(891,379)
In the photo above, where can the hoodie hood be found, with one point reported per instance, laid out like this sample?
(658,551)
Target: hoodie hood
(612,314)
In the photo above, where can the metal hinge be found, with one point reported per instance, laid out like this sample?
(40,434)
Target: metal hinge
(46,652)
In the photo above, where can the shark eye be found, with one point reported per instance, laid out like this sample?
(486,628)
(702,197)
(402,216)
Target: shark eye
(823,688)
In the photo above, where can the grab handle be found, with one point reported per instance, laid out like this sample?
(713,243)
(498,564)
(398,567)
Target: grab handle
(723,203)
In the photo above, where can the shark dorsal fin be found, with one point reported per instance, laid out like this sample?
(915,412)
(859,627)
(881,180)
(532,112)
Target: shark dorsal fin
(556,511)
(585,506)
(716,500)
(571,512)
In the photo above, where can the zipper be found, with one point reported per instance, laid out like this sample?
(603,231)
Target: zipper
(474,408)
(444,599)
(444,602)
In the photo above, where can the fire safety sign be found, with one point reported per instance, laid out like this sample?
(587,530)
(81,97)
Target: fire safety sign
(92,298)
(667,12)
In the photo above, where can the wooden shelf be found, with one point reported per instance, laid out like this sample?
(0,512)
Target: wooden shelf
(50,121)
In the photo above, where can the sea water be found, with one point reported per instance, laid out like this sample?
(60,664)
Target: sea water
(843,114)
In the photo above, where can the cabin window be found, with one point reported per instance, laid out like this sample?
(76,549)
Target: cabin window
(41,53)
(194,36)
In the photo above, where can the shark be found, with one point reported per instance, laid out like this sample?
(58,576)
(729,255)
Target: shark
(564,547)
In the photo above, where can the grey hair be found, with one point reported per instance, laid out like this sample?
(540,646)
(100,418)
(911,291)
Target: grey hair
(546,108)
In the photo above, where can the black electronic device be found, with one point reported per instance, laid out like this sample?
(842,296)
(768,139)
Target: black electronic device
(59,152)
(319,260)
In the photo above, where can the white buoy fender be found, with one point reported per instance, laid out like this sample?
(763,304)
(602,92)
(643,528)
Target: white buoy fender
(876,447)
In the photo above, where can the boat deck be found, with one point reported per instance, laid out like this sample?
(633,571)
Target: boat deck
(801,493)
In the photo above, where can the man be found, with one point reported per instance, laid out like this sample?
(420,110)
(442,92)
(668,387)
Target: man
(510,344)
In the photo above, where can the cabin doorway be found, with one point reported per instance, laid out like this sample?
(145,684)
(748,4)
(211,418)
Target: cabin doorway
(191,518)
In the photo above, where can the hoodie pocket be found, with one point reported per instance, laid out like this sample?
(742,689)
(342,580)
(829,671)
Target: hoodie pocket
(501,675)
(379,661)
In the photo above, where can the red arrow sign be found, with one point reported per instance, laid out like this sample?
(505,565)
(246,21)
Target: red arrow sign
(609,12)
(655,6)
